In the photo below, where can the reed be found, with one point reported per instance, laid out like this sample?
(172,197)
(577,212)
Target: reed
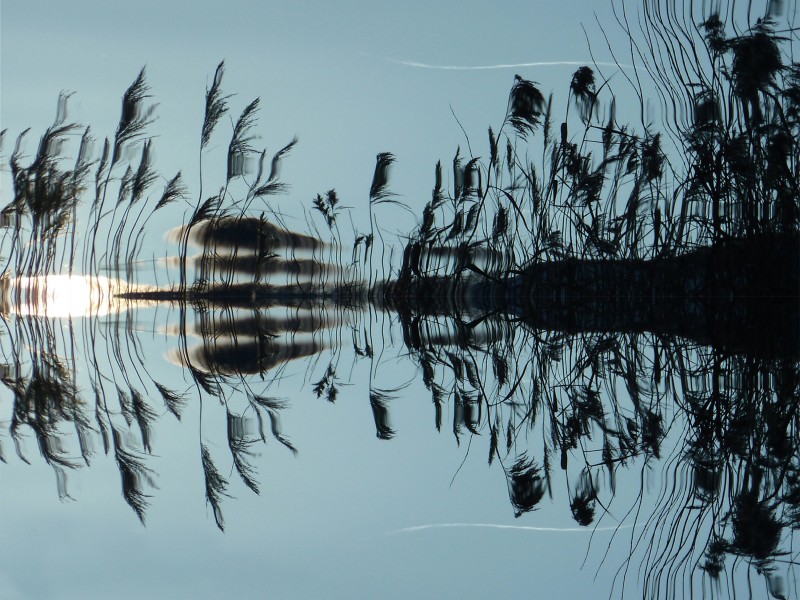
(602,190)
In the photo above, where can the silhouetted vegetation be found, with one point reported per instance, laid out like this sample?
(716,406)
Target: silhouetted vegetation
(593,297)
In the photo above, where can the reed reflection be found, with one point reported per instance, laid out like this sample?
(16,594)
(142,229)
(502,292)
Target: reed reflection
(605,402)
(550,409)
(252,342)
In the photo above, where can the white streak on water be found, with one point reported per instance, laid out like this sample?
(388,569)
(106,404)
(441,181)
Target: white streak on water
(556,63)
(416,528)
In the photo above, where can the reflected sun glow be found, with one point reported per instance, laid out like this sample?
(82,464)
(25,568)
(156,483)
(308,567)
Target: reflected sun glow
(62,296)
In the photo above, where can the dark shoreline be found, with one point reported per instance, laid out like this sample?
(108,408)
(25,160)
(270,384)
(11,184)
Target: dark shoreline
(739,296)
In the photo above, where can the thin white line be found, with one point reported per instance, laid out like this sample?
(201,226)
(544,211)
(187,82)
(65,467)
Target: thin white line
(557,63)
(518,527)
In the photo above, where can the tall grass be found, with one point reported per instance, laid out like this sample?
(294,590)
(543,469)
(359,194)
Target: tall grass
(587,187)
(575,186)
(728,80)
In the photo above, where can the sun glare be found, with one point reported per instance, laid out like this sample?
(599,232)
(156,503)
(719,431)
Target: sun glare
(62,296)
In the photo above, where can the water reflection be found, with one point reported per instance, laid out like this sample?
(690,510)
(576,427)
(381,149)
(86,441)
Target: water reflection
(64,295)
(241,342)
(570,337)
(549,409)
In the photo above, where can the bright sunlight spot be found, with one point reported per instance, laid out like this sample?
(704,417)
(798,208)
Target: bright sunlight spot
(62,296)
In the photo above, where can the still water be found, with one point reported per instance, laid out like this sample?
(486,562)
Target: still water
(313,451)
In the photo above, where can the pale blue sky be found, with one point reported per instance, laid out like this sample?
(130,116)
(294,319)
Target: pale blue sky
(324,72)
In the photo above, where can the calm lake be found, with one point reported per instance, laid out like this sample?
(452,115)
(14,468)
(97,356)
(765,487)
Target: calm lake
(276,351)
